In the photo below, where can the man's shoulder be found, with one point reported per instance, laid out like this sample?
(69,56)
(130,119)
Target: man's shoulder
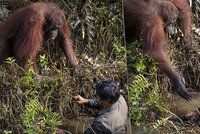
(122,99)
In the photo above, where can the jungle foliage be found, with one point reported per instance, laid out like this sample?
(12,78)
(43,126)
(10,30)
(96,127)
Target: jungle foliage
(32,103)
(149,97)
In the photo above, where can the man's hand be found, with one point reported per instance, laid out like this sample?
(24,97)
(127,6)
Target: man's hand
(79,99)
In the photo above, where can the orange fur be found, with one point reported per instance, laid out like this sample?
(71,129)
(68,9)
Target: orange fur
(185,17)
(22,34)
(147,19)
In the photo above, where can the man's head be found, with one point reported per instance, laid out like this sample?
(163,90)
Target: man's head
(108,91)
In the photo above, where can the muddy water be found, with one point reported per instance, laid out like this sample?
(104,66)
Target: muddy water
(180,106)
(78,126)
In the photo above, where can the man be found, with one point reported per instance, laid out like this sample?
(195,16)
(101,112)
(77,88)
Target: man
(112,109)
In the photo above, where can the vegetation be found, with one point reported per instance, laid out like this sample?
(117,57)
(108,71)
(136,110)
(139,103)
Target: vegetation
(149,98)
(32,103)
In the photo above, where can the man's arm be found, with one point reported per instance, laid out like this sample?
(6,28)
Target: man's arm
(92,103)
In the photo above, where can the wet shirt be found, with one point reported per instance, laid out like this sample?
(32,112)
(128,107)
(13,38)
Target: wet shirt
(111,120)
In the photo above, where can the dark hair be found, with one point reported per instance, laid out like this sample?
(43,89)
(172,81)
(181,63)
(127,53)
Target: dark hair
(108,90)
